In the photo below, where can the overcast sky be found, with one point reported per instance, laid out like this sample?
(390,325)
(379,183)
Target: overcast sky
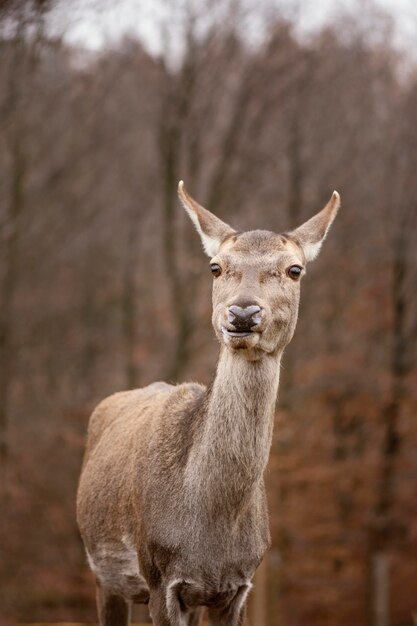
(93,23)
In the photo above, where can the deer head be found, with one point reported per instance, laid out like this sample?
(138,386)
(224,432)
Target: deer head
(257,275)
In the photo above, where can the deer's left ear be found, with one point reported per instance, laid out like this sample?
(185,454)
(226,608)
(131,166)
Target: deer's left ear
(211,230)
(312,233)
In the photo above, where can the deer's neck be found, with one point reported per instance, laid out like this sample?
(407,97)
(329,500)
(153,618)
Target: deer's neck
(231,450)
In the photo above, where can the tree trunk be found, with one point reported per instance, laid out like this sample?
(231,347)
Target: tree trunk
(384,526)
(129,302)
(294,218)
(172,124)
(8,287)
(380,587)
(258,610)
(178,310)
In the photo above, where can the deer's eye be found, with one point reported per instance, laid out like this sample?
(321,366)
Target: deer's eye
(294,272)
(216,270)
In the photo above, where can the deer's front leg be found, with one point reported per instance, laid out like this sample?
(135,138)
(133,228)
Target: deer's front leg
(234,613)
(195,616)
(113,609)
(165,608)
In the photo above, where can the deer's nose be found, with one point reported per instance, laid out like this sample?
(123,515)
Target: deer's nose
(244,318)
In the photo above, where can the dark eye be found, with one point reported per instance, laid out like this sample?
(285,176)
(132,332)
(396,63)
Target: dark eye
(294,272)
(216,270)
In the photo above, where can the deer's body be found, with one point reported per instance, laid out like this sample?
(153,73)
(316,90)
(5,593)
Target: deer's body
(215,498)
(171,501)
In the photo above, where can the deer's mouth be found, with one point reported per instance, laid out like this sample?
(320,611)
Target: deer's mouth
(236,333)
(242,339)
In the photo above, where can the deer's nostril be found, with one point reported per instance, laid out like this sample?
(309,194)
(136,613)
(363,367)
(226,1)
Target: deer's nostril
(230,316)
(247,316)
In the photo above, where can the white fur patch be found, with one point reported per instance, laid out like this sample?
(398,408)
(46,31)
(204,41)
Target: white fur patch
(110,562)
(174,611)
(210,244)
(91,562)
(243,597)
(311,250)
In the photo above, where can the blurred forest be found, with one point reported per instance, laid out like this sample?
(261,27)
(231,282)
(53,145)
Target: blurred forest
(104,286)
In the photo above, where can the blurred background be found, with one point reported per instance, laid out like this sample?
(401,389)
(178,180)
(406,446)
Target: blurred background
(263,108)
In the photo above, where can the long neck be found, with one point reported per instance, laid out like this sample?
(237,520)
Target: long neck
(231,449)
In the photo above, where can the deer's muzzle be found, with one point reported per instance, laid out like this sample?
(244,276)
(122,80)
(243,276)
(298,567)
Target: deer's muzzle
(244,319)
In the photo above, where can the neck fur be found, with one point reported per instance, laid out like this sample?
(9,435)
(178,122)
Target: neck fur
(231,450)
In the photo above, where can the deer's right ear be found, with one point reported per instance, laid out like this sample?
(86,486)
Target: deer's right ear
(211,230)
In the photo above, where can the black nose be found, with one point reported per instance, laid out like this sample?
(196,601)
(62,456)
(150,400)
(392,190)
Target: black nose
(244,318)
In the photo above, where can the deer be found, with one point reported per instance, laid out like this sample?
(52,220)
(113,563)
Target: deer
(171,503)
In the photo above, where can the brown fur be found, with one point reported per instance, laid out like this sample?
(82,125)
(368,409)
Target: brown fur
(171,500)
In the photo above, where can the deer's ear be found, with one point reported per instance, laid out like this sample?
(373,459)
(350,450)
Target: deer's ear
(312,233)
(211,230)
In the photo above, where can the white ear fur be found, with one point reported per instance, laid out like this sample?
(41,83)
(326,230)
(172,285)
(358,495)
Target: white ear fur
(312,233)
(311,250)
(210,244)
(210,228)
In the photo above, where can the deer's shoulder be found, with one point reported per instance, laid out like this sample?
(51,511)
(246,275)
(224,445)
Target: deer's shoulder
(129,407)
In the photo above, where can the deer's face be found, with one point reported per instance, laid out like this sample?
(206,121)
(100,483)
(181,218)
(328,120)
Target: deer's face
(256,291)
(257,275)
